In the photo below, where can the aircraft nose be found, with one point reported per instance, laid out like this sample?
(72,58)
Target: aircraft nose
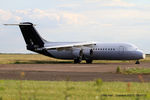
(144,56)
(141,54)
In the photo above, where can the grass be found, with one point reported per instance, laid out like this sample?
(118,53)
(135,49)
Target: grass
(68,90)
(136,71)
(29,59)
(40,59)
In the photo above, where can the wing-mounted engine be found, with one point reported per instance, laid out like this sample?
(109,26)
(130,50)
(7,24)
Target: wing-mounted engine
(87,53)
(78,54)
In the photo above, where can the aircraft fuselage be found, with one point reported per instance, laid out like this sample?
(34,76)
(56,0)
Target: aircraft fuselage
(100,51)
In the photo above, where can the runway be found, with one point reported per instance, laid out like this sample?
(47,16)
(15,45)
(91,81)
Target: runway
(72,72)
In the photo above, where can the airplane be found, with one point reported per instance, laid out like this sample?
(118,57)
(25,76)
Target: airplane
(78,51)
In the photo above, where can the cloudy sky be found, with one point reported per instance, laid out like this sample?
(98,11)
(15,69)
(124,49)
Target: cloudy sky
(76,20)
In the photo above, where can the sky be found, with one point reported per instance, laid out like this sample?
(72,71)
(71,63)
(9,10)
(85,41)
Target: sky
(76,20)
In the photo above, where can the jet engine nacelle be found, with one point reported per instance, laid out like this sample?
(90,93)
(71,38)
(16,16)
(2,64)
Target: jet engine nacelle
(88,53)
(77,53)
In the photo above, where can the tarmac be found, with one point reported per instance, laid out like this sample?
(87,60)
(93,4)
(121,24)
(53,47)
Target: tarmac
(72,72)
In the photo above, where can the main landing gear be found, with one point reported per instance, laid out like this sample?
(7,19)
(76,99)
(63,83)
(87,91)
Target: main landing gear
(77,60)
(137,62)
(89,61)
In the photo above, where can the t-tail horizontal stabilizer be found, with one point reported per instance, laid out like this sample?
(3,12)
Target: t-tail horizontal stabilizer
(19,24)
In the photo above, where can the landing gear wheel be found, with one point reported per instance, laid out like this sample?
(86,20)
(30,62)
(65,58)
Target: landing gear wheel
(89,61)
(75,61)
(78,60)
(137,62)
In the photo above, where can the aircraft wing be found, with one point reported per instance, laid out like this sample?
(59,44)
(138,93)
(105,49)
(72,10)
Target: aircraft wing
(71,45)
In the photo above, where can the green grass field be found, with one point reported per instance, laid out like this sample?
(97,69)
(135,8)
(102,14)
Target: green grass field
(136,71)
(40,59)
(28,59)
(67,90)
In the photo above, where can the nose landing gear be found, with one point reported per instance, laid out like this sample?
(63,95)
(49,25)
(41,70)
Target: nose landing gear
(137,62)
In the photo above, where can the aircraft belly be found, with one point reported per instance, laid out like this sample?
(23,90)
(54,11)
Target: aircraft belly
(61,54)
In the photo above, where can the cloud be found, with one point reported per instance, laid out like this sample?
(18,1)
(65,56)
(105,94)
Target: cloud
(73,18)
(118,3)
(68,5)
(111,3)
(127,14)
(57,17)
(8,15)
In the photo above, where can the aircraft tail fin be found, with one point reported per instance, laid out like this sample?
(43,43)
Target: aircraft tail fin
(31,36)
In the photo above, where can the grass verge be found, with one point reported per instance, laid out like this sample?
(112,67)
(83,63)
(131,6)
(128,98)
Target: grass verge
(29,59)
(40,59)
(68,90)
(136,71)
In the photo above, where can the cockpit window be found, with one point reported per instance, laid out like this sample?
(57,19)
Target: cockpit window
(131,48)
